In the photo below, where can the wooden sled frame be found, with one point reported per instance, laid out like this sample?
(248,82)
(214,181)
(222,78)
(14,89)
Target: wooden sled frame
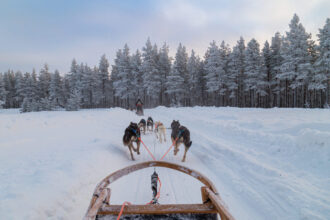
(212,203)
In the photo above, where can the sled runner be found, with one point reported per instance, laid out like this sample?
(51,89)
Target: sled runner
(210,209)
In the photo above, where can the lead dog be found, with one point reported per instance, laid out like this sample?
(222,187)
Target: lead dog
(160,131)
(179,135)
(132,134)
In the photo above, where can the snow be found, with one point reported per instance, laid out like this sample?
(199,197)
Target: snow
(265,163)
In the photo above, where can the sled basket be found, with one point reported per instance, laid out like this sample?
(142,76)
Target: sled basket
(211,207)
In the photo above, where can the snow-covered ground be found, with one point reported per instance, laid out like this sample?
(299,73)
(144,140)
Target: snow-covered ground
(266,163)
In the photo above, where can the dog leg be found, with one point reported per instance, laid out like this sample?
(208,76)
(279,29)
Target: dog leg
(130,146)
(185,152)
(176,148)
(138,147)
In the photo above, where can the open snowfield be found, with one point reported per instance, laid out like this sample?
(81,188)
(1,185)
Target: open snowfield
(266,163)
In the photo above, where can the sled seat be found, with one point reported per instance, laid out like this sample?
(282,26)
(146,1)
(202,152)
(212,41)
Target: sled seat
(160,212)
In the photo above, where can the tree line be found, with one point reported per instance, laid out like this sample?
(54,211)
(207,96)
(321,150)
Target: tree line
(290,71)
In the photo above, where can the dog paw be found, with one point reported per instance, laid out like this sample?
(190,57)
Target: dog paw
(138,152)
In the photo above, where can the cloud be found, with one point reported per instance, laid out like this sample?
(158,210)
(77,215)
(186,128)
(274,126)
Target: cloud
(59,32)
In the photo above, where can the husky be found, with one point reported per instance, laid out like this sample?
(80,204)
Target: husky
(150,124)
(180,134)
(143,126)
(132,134)
(160,131)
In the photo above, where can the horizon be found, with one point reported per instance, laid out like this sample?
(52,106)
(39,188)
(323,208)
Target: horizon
(36,33)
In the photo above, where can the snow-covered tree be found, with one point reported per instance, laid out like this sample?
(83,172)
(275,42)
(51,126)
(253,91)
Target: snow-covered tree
(164,65)
(212,69)
(296,66)
(151,74)
(123,84)
(235,81)
(74,101)
(320,81)
(254,74)
(193,68)
(137,76)
(176,79)
(224,51)
(103,77)
(275,68)
(44,82)
(3,91)
(56,90)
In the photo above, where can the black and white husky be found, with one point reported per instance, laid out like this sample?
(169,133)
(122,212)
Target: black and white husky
(132,134)
(150,124)
(143,125)
(179,135)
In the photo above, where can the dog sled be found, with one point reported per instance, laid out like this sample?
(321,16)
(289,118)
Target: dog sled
(211,208)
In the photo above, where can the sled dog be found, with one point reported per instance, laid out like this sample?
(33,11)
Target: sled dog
(160,131)
(179,135)
(132,134)
(150,124)
(143,126)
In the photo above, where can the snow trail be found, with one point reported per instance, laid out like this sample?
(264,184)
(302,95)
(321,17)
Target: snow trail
(266,163)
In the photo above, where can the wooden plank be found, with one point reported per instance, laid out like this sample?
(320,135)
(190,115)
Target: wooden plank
(92,212)
(219,205)
(158,209)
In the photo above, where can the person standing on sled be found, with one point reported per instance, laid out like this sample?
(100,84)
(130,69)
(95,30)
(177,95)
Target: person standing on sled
(139,109)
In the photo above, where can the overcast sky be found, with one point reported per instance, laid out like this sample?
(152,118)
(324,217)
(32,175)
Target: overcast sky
(34,32)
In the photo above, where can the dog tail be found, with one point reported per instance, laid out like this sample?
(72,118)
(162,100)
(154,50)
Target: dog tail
(189,144)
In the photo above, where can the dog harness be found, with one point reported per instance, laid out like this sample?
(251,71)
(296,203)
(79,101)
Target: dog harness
(135,132)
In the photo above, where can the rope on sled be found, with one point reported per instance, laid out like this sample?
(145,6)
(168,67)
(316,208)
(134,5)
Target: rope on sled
(122,209)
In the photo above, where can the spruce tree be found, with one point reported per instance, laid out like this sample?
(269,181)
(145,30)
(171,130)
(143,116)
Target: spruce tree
(320,81)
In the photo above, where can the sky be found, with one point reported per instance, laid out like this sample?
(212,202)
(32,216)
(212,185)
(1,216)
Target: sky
(35,32)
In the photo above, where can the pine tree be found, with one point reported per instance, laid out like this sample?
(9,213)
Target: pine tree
(151,74)
(212,69)
(56,90)
(193,67)
(44,82)
(296,66)
(18,88)
(114,79)
(176,80)
(224,51)
(86,89)
(275,68)
(74,102)
(235,81)
(3,91)
(137,80)
(96,89)
(320,81)
(103,77)
(252,72)
(123,83)
(164,65)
